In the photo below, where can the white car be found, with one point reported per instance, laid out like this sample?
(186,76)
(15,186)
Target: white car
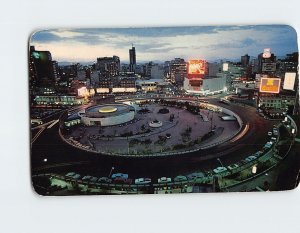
(220,169)
(164,180)
(142,181)
(233,166)
(250,158)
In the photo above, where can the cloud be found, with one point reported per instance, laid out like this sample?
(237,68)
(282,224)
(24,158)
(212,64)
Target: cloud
(167,42)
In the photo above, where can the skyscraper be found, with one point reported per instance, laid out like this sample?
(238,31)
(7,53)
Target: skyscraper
(108,66)
(245,60)
(42,70)
(132,59)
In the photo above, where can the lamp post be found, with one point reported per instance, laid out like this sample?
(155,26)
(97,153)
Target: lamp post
(219,160)
(112,168)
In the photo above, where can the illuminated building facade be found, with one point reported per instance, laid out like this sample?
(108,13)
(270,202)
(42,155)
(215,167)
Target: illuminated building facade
(205,86)
(107,115)
(178,69)
(43,72)
(108,66)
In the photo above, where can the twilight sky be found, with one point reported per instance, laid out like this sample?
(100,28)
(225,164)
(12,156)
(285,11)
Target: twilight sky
(165,43)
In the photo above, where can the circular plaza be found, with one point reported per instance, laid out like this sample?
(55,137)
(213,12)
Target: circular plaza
(147,128)
(107,115)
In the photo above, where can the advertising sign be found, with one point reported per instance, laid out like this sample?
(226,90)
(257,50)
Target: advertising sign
(82,91)
(270,85)
(196,67)
(225,66)
(289,81)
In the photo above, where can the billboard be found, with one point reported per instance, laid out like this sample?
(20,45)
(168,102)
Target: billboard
(102,90)
(82,91)
(269,85)
(289,81)
(269,67)
(196,67)
(225,66)
(123,89)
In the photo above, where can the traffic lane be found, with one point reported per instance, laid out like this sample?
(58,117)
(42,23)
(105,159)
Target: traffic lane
(50,146)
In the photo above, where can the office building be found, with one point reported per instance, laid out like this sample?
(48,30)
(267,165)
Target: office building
(245,60)
(178,71)
(43,72)
(132,60)
(108,66)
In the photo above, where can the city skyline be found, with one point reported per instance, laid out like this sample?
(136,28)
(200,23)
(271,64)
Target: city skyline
(165,43)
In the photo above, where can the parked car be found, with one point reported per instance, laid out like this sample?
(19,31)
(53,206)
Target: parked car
(94,179)
(195,175)
(220,169)
(180,178)
(70,174)
(164,180)
(85,178)
(76,177)
(104,180)
(233,166)
(121,180)
(122,175)
(250,158)
(142,181)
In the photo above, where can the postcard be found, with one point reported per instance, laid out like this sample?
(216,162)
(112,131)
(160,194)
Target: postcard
(164,110)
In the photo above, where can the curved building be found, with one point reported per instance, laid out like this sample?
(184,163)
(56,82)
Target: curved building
(107,114)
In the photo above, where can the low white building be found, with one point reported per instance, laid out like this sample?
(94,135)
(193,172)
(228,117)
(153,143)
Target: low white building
(207,85)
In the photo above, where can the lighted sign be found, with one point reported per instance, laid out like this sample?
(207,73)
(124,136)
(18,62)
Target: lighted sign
(196,67)
(289,81)
(36,55)
(102,90)
(82,91)
(225,66)
(270,85)
(92,91)
(267,53)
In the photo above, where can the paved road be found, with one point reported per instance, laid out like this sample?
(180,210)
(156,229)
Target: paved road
(49,145)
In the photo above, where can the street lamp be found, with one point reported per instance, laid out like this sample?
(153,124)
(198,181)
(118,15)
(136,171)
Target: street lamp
(293,131)
(112,168)
(219,160)
(45,160)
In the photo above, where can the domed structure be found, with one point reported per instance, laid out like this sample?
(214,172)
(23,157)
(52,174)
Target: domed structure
(107,114)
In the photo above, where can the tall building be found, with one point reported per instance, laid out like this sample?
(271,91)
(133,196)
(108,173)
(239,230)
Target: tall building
(245,60)
(132,59)
(43,71)
(178,69)
(108,66)
(266,62)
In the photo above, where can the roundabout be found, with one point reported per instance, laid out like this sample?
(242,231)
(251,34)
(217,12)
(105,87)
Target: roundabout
(66,150)
(135,129)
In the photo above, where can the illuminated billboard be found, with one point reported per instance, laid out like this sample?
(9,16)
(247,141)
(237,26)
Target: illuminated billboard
(225,66)
(270,85)
(289,81)
(102,90)
(123,89)
(83,91)
(196,67)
